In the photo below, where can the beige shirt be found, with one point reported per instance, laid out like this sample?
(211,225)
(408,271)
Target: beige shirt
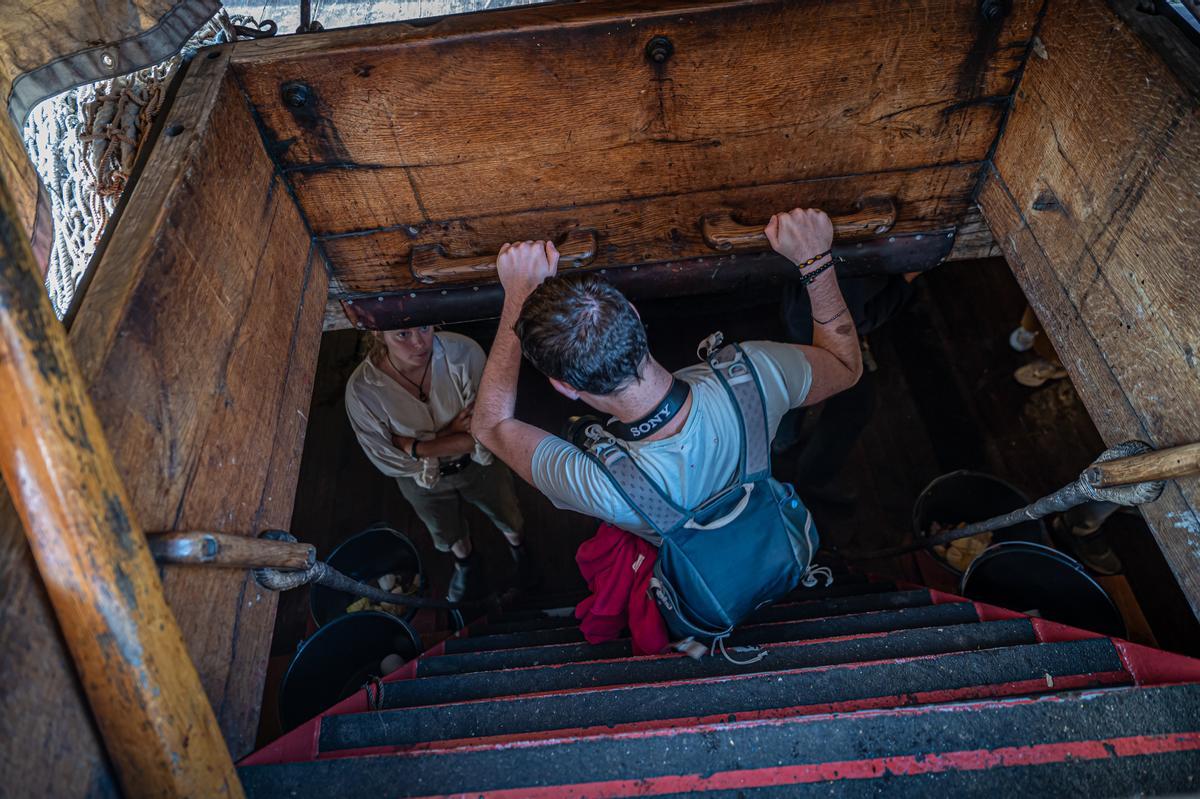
(379,408)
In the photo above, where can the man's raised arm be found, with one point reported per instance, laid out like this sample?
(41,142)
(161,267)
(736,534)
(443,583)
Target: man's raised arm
(522,268)
(805,236)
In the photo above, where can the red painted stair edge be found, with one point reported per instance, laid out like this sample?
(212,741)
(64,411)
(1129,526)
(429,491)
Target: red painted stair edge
(1145,665)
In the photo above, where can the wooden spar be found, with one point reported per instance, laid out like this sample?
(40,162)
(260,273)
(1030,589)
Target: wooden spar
(144,691)
(230,551)
(1165,464)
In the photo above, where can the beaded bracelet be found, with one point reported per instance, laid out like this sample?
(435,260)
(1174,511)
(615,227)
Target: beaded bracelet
(813,275)
(814,259)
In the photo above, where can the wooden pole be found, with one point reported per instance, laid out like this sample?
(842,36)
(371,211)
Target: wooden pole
(1163,464)
(230,551)
(145,694)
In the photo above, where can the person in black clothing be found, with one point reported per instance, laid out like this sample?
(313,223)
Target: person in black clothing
(871,300)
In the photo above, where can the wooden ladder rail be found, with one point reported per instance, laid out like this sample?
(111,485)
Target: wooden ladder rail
(145,693)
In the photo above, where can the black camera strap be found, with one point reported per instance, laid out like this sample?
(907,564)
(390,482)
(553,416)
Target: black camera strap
(666,410)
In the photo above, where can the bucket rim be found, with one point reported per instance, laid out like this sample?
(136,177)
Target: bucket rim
(375,527)
(1057,555)
(918,528)
(413,636)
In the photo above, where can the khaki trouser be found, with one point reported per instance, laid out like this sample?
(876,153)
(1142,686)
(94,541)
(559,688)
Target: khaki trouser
(489,488)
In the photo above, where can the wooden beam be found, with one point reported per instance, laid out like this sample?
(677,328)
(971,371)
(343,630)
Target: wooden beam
(198,339)
(1095,201)
(468,131)
(158,729)
(645,231)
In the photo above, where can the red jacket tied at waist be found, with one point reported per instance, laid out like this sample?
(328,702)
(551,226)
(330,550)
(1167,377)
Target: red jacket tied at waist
(617,566)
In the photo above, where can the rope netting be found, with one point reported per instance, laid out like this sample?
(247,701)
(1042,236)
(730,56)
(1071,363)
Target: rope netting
(83,144)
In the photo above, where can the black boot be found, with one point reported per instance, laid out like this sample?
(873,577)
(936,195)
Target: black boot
(468,581)
(528,577)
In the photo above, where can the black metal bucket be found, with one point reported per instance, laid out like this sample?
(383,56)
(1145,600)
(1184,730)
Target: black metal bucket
(366,556)
(339,659)
(966,496)
(1036,579)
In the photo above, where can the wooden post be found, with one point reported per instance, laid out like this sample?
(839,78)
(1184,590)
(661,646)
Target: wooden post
(144,691)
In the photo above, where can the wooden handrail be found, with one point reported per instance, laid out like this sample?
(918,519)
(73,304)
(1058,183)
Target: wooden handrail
(430,264)
(146,697)
(872,217)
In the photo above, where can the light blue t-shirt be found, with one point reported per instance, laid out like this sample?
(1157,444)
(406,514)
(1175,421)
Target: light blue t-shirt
(692,465)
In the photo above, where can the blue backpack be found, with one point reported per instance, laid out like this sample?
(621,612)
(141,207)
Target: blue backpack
(748,546)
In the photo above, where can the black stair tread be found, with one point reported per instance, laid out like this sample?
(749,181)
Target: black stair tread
(1171,774)
(574,649)
(846,586)
(505,625)
(891,682)
(535,613)
(840,606)
(921,732)
(895,644)
(560,599)
(486,639)
(801,607)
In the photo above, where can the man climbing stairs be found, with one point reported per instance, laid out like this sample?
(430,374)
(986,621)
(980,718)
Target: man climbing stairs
(861,687)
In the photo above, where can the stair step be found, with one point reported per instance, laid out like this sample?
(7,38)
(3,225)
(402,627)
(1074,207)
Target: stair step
(871,647)
(560,599)
(939,678)
(487,638)
(1122,741)
(574,649)
(846,585)
(840,606)
(505,625)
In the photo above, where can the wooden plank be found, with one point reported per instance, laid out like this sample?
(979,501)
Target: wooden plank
(555,107)
(1096,203)
(141,684)
(1118,412)
(973,238)
(645,231)
(198,337)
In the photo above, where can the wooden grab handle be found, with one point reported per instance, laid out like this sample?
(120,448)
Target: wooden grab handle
(875,215)
(430,264)
(233,551)
(1162,464)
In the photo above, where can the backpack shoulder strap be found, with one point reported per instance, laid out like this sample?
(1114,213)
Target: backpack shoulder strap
(737,375)
(636,487)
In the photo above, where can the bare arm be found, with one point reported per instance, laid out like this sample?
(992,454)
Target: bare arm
(447,445)
(453,439)
(835,355)
(522,268)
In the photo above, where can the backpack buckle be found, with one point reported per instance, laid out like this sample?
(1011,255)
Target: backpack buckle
(710,345)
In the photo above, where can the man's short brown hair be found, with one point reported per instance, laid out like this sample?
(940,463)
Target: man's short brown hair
(579,329)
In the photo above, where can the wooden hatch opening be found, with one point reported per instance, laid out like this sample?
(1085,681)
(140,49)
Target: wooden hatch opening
(364,177)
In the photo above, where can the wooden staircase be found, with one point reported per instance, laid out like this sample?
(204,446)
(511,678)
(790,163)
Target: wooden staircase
(865,686)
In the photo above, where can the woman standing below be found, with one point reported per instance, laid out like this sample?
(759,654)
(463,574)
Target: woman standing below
(410,404)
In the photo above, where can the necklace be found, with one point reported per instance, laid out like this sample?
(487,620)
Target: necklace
(420,387)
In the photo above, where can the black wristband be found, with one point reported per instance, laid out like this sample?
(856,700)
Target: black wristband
(413,449)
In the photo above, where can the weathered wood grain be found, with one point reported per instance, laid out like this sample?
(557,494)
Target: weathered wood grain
(198,338)
(646,231)
(558,107)
(1096,204)
(230,551)
(973,238)
(98,575)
